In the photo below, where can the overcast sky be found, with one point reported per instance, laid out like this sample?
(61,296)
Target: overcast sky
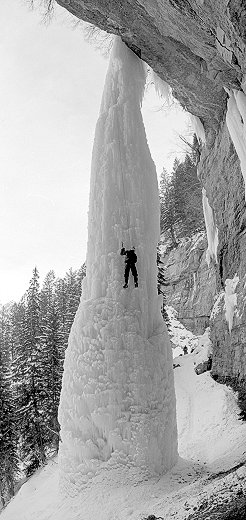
(50,91)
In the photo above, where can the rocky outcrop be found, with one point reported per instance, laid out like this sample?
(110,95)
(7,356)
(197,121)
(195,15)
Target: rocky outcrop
(190,283)
(222,178)
(198,47)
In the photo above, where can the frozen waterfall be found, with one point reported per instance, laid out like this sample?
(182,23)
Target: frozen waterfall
(118,402)
(236,124)
(211,229)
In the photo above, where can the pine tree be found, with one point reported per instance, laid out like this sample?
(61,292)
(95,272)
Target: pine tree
(47,293)
(61,300)
(31,414)
(9,469)
(167,215)
(33,339)
(52,348)
(73,293)
(161,282)
(181,200)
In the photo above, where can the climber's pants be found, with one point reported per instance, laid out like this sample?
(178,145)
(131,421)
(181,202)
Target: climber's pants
(133,269)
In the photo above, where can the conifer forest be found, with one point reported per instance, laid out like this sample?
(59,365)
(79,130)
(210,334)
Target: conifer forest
(33,338)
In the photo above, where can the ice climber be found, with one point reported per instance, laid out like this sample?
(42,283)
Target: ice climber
(130,261)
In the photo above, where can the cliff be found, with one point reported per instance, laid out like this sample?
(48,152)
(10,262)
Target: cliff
(198,48)
(190,283)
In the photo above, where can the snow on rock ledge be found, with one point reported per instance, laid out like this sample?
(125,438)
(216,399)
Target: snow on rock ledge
(118,401)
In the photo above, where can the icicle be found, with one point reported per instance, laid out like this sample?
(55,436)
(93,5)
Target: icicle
(236,124)
(212,231)
(198,128)
(162,88)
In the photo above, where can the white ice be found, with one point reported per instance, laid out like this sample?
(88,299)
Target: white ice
(198,128)
(118,402)
(219,302)
(212,231)
(162,88)
(236,123)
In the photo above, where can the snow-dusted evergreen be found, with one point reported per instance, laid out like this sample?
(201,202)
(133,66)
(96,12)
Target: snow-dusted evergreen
(118,402)
(33,338)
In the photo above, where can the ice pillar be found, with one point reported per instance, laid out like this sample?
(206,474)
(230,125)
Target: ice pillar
(236,124)
(118,401)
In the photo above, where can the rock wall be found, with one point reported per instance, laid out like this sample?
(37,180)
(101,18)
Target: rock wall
(190,283)
(221,175)
(198,47)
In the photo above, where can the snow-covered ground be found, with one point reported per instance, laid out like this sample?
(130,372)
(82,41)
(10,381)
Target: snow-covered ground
(211,441)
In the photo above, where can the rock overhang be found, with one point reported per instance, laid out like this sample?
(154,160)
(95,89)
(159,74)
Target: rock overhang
(196,46)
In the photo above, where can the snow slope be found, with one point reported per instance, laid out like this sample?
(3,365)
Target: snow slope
(211,440)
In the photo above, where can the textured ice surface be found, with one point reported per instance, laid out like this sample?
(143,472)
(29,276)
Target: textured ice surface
(212,231)
(118,400)
(211,441)
(236,123)
(162,88)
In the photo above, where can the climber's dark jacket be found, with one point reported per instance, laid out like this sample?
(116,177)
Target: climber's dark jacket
(131,256)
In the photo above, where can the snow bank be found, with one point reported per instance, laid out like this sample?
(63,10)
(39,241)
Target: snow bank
(118,402)
(211,439)
(37,499)
(180,336)
(230,300)
(236,124)
(208,425)
(198,128)
(204,348)
(212,231)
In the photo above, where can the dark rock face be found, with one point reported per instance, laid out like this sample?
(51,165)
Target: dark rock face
(198,47)
(190,283)
(221,175)
(183,41)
